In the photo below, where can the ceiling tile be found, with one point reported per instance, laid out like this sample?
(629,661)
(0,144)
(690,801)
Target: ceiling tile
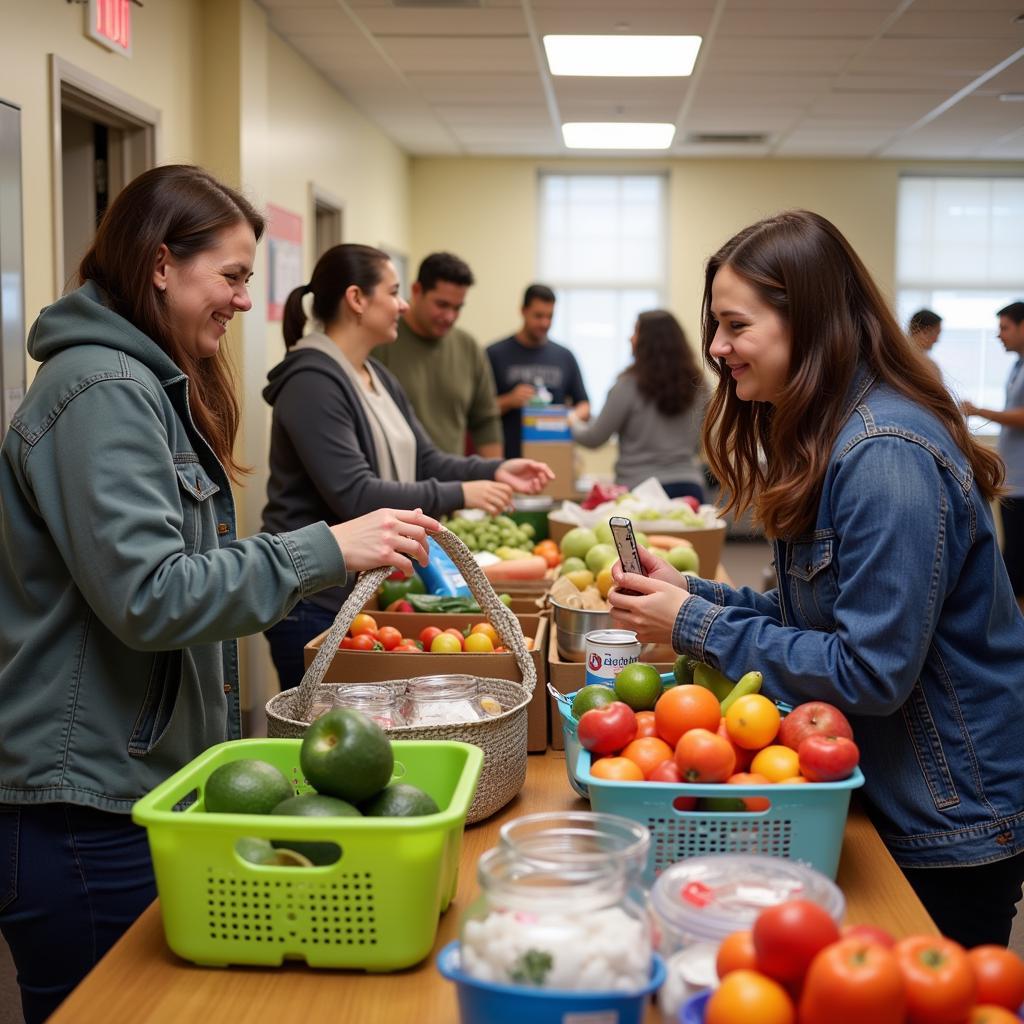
(627,20)
(974,24)
(522,115)
(481,88)
(408,21)
(313,21)
(790,24)
(502,54)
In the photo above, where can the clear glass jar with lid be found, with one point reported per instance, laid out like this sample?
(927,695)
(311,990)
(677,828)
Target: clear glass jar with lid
(447,700)
(382,704)
(571,926)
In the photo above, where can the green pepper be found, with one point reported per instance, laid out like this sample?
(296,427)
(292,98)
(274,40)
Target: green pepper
(395,590)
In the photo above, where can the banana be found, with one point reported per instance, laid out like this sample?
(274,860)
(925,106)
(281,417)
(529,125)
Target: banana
(713,680)
(748,683)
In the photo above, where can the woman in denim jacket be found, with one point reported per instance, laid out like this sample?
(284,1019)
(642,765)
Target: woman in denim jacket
(893,603)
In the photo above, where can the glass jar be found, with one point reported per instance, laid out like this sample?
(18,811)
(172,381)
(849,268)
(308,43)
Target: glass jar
(571,926)
(696,903)
(447,700)
(379,703)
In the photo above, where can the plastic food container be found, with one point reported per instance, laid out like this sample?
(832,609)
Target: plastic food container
(695,904)
(375,908)
(482,1002)
(533,509)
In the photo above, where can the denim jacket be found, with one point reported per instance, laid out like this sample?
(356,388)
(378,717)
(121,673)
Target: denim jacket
(122,579)
(898,610)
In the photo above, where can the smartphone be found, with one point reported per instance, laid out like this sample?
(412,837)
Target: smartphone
(625,545)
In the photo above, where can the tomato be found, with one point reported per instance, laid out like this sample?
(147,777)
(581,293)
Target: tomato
(617,769)
(999,974)
(752,803)
(776,763)
(753,721)
(686,707)
(458,634)
(607,729)
(745,997)
(703,756)
(736,953)
(363,623)
(645,724)
(488,630)
(366,642)
(427,635)
(938,978)
(827,758)
(647,753)
(744,757)
(479,643)
(668,771)
(346,643)
(853,981)
(787,937)
(990,1013)
(389,637)
(445,643)
(869,933)
(548,550)
(407,646)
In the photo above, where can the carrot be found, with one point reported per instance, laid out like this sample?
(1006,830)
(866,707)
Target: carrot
(664,540)
(532,568)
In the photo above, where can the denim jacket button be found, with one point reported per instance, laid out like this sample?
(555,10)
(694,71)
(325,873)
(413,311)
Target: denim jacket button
(227,687)
(222,528)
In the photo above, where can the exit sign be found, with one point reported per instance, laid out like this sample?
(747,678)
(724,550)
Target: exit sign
(110,24)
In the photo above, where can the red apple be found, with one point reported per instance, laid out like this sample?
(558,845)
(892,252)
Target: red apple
(827,758)
(869,933)
(813,717)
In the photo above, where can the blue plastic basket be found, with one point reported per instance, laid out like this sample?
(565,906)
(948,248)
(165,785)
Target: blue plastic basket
(692,1011)
(804,821)
(487,1002)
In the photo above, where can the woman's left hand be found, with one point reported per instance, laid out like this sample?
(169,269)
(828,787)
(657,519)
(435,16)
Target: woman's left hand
(652,613)
(524,475)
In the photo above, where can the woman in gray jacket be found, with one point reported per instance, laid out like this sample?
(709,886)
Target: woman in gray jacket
(123,582)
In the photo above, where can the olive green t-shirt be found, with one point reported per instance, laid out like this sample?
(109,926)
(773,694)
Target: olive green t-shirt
(450,385)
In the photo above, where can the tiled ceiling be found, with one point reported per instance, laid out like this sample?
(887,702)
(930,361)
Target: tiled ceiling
(829,78)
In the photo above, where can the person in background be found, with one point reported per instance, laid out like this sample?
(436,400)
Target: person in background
(656,407)
(1011,445)
(344,439)
(123,583)
(893,603)
(529,359)
(440,366)
(925,328)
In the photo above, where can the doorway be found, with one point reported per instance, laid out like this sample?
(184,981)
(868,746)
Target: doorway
(12,287)
(327,220)
(103,138)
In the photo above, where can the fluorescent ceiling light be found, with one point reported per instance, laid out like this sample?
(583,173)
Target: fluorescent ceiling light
(622,56)
(617,135)
(1012,97)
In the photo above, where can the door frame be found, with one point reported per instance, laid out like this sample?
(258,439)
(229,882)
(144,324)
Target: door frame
(99,100)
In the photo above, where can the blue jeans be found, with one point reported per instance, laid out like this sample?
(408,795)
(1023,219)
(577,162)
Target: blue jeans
(288,637)
(72,879)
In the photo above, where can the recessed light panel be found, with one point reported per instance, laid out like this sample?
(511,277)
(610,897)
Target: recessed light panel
(622,56)
(617,135)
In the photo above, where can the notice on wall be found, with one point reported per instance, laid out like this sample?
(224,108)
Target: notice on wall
(284,256)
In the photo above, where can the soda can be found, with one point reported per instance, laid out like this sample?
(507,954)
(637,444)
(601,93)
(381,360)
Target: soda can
(608,651)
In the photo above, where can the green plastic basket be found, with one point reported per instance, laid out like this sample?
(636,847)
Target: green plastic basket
(376,908)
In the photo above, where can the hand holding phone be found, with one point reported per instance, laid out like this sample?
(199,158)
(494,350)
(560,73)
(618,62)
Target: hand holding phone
(625,545)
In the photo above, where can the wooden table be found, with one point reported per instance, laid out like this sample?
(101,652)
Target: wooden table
(141,980)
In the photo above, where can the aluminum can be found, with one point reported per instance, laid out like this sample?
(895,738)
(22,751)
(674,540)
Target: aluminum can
(608,651)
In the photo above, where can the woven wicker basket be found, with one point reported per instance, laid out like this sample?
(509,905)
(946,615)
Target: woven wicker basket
(502,738)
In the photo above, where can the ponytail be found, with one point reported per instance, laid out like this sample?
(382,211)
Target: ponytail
(294,322)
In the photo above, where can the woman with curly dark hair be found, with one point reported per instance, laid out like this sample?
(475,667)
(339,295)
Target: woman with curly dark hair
(656,407)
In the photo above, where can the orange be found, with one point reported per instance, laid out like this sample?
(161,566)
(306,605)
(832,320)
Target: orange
(746,996)
(686,707)
(617,769)
(647,753)
(776,763)
(752,722)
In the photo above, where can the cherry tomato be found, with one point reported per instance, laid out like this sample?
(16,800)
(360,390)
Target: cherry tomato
(407,646)
(868,933)
(607,729)
(938,978)
(346,643)
(686,707)
(366,642)
(427,635)
(853,981)
(736,953)
(999,974)
(745,997)
(647,753)
(703,756)
(479,643)
(753,721)
(617,769)
(363,623)
(458,634)
(668,771)
(752,803)
(488,630)
(787,937)
(645,724)
(445,643)
(389,637)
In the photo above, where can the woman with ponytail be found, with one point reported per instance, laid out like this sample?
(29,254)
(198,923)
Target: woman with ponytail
(345,440)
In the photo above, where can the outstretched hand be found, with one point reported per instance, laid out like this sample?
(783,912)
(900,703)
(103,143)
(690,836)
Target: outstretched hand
(524,475)
(385,537)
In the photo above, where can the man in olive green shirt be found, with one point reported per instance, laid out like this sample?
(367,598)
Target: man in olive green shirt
(442,369)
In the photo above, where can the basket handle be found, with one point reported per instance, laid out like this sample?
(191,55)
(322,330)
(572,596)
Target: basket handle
(499,615)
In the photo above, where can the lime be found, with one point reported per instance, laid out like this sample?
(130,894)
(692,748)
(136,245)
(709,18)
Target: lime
(247,786)
(593,696)
(255,851)
(639,686)
(313,805)
(399,800)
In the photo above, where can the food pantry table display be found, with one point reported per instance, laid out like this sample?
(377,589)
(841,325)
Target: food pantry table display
(140,979)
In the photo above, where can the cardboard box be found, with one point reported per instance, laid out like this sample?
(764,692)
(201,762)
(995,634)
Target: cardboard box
(569,676)
(377,666)
(561,457)
(707,543)
(546,423)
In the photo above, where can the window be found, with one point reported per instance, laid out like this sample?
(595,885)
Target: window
(603,250)
(959,253)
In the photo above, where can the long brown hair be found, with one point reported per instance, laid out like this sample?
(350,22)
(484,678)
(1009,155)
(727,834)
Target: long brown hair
(801,265)
(184,208)
(664,366)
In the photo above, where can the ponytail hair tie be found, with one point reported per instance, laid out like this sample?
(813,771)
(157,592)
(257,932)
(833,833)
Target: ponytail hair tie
(306,289)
